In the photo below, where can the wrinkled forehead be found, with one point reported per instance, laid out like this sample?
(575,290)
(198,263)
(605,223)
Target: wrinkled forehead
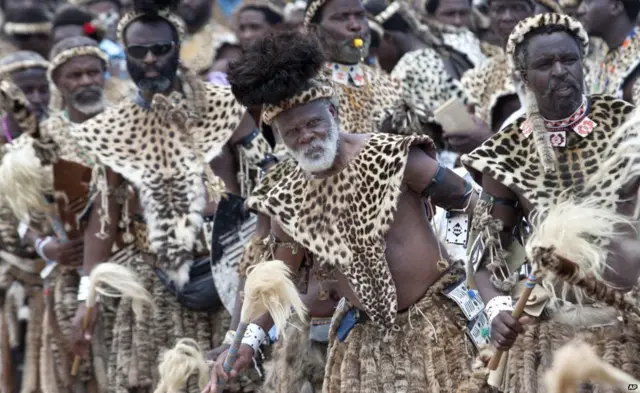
(301,114)
(551,44)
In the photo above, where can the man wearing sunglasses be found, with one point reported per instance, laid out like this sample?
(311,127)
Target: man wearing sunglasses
(160,143)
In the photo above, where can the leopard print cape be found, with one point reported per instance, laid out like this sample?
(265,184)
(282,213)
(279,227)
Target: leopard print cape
(343,219)
(511,158)
(165,164)
(362,108)
(198,51)
(426,83)
(486,84)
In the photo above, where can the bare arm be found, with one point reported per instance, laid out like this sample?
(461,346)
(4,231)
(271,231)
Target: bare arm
(291,256)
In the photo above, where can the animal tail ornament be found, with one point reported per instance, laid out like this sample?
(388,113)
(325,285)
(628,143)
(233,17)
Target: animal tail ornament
(113,280)
(24,181)
(268,289)
(578,362)
(565,248)
(178,364)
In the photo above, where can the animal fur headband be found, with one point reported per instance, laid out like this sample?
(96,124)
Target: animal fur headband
(12,28)
(280,72)
(160,8)
(21,61)
(66,55)
(312,9)
(526,26)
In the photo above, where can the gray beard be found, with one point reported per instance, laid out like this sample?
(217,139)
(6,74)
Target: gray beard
(156,85)
(90,108)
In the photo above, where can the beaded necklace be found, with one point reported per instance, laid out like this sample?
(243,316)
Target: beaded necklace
(608,72)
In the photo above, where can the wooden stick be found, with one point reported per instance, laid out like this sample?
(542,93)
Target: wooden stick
(85,324)
(233,352)
(517,311)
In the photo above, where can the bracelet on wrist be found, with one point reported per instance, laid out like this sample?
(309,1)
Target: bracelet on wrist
(496,305)
(254,337)
(41,244)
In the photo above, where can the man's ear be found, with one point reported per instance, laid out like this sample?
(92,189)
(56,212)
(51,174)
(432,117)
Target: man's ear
(333,111)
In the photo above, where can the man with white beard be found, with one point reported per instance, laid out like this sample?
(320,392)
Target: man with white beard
(360,203)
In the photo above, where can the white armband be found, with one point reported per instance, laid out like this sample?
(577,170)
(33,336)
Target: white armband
(254,337)
(83,288)
(496,305)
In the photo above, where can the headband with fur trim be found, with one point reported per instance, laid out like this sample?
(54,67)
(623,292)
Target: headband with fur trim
(280,72)
(160,8)
(312,9)
(12,28)
(20,61)
(69,54)
(519,34)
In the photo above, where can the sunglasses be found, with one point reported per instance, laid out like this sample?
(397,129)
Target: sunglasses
(159,49)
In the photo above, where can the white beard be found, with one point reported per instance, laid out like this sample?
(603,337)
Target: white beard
(324,159)
(90,108)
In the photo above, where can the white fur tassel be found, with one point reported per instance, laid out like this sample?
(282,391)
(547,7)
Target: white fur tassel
(269,289)
(578,362)
(179,363)
(24,181)
(563,227)
(122,280)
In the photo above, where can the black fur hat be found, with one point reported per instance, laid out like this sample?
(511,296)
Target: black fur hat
(275,68)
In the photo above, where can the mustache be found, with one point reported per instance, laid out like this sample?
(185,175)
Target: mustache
(558,84)
(89,90)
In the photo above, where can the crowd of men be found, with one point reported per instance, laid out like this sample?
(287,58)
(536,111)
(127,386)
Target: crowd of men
(402,158)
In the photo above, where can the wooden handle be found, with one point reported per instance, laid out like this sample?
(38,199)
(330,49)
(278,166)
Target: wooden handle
(85,324)
(232,355)
(517,311)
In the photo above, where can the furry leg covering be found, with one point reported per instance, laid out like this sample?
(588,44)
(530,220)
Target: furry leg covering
(427,351)
(137,347)
(532,354)
(295,362)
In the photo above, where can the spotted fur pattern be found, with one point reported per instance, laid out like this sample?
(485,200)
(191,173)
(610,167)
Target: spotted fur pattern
(511,159)
(158,159)
(343,219)
(425,80)
(486,84)
(362,109)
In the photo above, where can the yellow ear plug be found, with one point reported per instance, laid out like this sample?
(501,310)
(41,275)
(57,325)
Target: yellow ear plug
(357,42)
